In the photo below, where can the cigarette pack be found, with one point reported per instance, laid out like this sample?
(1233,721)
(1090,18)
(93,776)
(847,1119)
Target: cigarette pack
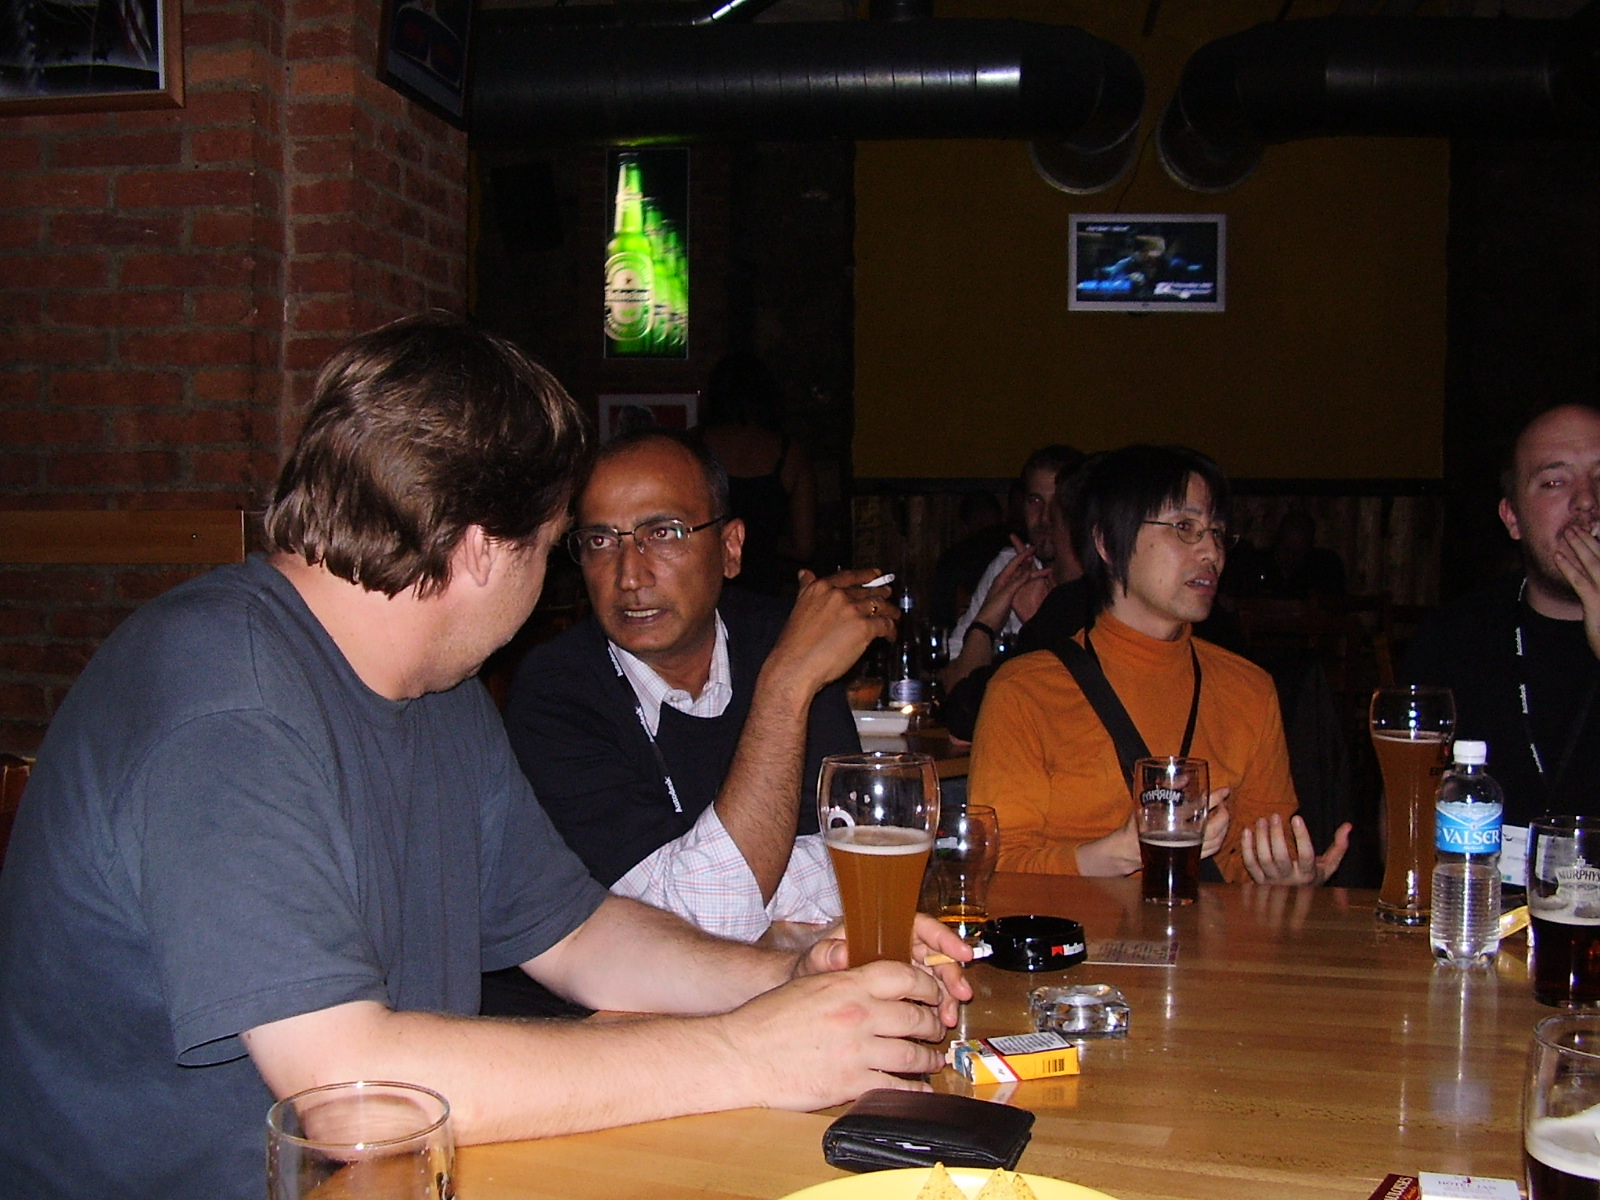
(1466,1187)
(1019,1056)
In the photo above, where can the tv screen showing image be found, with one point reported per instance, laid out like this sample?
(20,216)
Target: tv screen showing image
(1148,262)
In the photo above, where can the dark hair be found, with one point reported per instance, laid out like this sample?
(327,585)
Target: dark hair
(742,390)
(1050,458)
(1119,491)
(416,431)
(716,475)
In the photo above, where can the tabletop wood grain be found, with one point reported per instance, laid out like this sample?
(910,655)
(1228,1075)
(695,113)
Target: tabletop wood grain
(1295,1049)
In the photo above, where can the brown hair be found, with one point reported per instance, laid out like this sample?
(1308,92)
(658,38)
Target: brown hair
(418,430)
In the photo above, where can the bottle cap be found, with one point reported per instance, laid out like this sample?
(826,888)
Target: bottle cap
(1472,754)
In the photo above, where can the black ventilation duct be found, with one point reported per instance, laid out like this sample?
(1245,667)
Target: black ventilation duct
(1376,77)
(1077,97)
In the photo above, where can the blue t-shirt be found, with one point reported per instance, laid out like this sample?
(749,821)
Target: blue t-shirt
(225,828)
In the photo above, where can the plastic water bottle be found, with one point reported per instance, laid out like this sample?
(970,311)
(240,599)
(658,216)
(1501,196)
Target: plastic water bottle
(1465,924)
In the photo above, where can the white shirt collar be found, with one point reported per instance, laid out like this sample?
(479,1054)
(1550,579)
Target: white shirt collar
(653,691)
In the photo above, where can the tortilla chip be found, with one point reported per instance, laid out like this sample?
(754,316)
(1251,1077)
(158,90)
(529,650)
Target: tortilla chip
(940,1186)
(1005,1185)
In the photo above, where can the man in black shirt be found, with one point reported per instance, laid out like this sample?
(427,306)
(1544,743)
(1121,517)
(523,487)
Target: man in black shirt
(1523,655)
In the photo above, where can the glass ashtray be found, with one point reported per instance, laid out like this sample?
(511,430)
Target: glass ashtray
(1085,1010)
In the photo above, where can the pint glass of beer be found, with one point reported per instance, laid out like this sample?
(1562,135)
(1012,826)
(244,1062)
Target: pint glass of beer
(1411,732)
(1171,799)
(1561,1109)
(361,1141)
(1564,910)
(878,813)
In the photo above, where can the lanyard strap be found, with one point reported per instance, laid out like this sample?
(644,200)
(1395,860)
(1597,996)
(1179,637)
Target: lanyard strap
(638,711)
(1552,783)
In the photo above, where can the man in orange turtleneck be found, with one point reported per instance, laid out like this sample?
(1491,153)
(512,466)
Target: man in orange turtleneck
(1151,531)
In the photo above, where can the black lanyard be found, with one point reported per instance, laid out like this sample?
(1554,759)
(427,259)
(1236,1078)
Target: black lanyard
(638,711)
(1552,783)
(1194,701)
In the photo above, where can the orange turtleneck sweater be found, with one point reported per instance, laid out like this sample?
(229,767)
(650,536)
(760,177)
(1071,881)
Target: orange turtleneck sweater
(1043,760)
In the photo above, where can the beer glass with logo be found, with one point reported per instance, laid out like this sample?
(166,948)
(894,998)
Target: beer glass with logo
(1171,800)
(1411,732)
(1564,910)
(361,1141)
(878,813)
(956,889)
(1561,1109)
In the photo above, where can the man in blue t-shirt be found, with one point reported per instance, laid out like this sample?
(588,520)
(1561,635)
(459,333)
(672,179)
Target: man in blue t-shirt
(275,832)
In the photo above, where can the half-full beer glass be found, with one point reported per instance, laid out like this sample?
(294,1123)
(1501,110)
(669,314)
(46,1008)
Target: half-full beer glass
(361,1141)
(1561,1109)
(1411,732)
(878,814)
(956,888)
(1171,800)
(1564,910)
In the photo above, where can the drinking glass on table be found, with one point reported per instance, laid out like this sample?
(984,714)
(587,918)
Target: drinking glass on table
(965,851)
(1564,910)
(1172,797)
(878,813)
(1411,732)
(361,1141)
(1561,1109)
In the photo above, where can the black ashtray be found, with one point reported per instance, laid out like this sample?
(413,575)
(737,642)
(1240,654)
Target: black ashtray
(1033,943)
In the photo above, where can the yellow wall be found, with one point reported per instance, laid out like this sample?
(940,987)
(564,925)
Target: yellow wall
(1329,362)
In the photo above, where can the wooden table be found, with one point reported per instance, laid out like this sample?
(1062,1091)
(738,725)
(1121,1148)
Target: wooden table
(1296,1049)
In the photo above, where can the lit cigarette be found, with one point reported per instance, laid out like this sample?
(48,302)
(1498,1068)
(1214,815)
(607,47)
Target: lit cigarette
(981,950)
(880,581)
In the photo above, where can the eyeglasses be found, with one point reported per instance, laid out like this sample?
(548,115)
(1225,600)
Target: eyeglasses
(659,540)
(1191,533)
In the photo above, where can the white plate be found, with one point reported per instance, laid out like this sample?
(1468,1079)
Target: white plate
(906,1183)
(881,724)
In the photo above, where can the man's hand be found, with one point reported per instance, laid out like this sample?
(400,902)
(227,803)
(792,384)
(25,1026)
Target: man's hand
(1269,858)
(1217,821)
(832,623)
(1115,854)
(824,1039)
(831,953)
(1578,559)
(1020,587)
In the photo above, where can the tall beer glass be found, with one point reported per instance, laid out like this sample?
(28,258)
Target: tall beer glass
(1561,1109)
(1171,801)
(1411,731)
(361,1141)
(878,813)
(1564,910)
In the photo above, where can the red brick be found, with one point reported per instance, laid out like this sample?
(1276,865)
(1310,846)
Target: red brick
(119,150)
(229,466)
(49,658)
(20,702)
(110,468)
(56,271)
(19,470)
(131,119)
(215,230)
(324,196)
(335,40)
(116,387)
(47,585)
(19,153)
(198,349)
(181,189)
(59,190)
(324,156)
(309,353)
(325,316)
(222,145)
(119,308)
(34,346)
(16,621)
(140,586)
(231,307)
(106,229)
(377,167)
(210,109)
(332,236)
(321,119)
(217,28)
(320,275)
(186,270)
(305,11)
(231,65)
(19,428)
(234,385)
(21,387)
(192,428)
(85,622)
(19,310)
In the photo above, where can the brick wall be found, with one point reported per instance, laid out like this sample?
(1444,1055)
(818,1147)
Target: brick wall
(171,279)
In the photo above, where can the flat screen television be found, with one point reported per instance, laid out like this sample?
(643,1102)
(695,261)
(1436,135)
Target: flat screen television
(1148,262)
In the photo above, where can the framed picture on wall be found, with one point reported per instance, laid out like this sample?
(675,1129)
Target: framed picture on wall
(423,53)
(1148,262)
(624,412)
(87,57)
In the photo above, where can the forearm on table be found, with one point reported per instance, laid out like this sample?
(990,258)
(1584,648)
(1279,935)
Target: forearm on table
(759,801)
(510,1080)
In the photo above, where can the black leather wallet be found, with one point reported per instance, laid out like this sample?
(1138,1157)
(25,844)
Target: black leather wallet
(886,1128)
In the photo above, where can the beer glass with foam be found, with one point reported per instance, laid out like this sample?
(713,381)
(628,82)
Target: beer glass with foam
(1564,910)
(1561,1109)
(878,813)
(1171,800)
(1411,732)
(361,1141)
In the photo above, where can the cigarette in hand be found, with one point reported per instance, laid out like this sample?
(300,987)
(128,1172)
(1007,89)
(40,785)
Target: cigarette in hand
(981,950)
(880,581)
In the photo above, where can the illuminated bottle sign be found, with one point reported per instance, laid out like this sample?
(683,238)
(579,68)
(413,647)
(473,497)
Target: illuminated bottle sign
(646,270)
